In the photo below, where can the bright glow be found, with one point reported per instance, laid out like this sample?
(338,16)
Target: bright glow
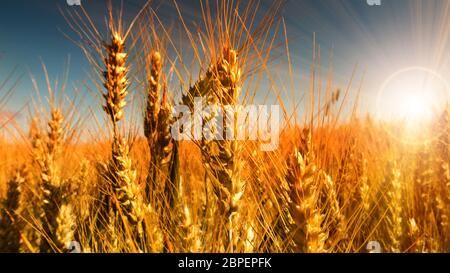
(413,96)
(415,108)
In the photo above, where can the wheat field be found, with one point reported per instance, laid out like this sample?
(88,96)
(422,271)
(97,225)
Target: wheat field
(336,182)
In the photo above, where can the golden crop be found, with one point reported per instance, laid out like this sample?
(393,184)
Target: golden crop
(332,186)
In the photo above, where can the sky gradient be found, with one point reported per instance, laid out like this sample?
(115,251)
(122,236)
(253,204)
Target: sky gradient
(377,41)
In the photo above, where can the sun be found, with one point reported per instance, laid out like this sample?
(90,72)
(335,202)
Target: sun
(413,96)
(415,108)
(409,101)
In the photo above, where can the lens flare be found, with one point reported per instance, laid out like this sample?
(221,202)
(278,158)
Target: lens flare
(413,96)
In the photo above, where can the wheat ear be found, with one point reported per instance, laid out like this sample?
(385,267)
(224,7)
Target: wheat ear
(50,183)
(10,223)
(163,170)
(307,231)
(221,157)
(115,79)
(128,206)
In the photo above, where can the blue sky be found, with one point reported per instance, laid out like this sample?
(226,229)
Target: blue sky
(381,40)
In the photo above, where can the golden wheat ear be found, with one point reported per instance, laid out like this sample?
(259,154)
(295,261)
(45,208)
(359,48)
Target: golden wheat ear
(163,174)
(115,79)
(221,85)
(120,199)
(151,116)
(50,192)
(124,197)
(308,234)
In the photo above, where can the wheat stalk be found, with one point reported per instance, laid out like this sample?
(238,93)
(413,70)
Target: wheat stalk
(126,201)
(153,185)
(163,171)
(50,183)
(221,157)
(58,223)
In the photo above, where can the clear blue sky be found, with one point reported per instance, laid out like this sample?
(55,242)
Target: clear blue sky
(381,40)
